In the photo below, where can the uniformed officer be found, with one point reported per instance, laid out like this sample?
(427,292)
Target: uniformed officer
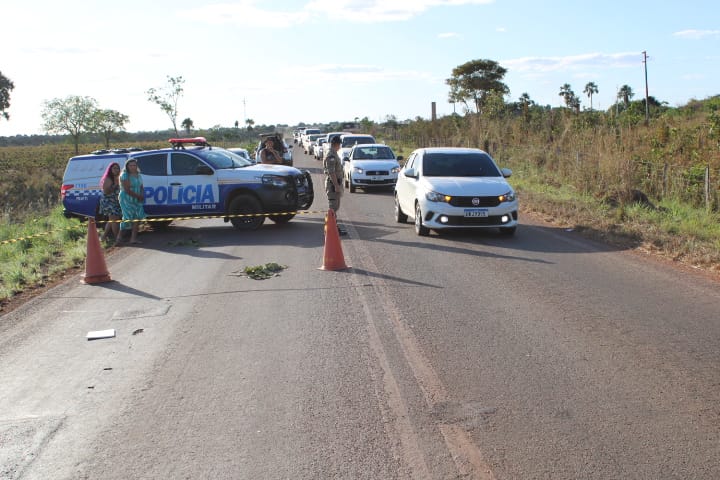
(333,168)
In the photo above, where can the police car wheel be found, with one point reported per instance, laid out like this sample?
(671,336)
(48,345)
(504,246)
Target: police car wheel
(281,218)
(246,205)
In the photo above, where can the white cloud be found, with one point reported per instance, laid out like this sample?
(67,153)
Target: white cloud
(501,29)
(697,34)
(572,62)
(248,13)
(244,12)
(381,10)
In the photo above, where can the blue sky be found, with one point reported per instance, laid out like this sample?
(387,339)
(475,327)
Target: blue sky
(284,62)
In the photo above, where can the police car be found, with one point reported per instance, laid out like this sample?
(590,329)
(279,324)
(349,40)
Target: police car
(193,178)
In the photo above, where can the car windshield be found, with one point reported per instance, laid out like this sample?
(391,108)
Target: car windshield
(350,141)
(373,153)
(220,159)
(459,165)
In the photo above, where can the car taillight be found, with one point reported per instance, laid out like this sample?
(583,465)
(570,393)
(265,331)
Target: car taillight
(64,189)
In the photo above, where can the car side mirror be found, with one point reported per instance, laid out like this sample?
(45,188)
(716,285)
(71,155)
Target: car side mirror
(410,172)
(506,172)
(203,170)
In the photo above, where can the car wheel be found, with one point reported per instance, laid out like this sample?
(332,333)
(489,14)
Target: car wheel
(420,229)
(281,218)
(246,205)
(352,187)
(400,217)
(507,230)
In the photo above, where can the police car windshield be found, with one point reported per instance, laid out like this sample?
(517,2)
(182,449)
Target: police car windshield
(220,159)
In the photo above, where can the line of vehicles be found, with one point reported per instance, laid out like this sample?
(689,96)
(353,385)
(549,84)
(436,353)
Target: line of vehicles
(438,188)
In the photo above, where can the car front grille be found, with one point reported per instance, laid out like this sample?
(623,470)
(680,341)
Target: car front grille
(365,181)
(479,221)
(376,173)
(472,202)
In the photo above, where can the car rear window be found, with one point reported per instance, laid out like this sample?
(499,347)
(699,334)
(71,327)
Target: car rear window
(459,165)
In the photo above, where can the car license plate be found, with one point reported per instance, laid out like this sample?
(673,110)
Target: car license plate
(376,178)
(476,212)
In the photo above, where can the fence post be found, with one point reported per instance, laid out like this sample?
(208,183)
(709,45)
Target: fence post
(707,187)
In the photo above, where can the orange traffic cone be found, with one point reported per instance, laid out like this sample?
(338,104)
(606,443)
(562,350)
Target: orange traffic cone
(95,269)
(333,258)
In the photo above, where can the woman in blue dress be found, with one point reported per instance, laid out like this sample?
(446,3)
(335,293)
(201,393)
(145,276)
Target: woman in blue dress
(109,202)
(132,196)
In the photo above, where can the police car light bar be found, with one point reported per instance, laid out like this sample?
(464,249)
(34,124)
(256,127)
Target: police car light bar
(199,141)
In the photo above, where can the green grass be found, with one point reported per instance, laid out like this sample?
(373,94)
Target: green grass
(671,229)
(40,249)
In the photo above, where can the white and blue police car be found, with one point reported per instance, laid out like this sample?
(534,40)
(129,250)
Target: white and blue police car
(193,178)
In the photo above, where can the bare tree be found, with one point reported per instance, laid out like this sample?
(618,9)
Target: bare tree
(167,98)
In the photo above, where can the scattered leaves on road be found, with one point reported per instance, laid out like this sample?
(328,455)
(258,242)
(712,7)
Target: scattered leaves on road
(261,272)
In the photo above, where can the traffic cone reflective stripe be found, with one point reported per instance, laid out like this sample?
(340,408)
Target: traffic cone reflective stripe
(333,258)
(96,270)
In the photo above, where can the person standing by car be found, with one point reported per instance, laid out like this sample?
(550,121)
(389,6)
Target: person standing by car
(269,155)
(333,169)
(109,202)
(132,196)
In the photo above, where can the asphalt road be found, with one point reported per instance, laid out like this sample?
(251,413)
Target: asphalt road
(467,355)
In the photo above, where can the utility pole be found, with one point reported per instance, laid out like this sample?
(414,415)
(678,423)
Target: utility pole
(647,97)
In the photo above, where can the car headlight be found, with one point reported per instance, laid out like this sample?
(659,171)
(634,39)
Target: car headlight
(507,197)
(358,170)
(275,180)
(438,197)
(395,170)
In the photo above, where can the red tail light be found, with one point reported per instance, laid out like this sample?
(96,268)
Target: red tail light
(64,189)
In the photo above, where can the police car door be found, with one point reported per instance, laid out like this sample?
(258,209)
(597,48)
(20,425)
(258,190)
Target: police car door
(193,187)
(153,168)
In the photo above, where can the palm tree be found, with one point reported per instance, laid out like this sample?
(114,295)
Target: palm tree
(625,94)
(571,100)
(525,103)
(187,124)
(590,90)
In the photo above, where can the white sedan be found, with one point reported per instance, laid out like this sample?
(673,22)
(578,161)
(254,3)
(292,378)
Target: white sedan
(444,188)
(370,165)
